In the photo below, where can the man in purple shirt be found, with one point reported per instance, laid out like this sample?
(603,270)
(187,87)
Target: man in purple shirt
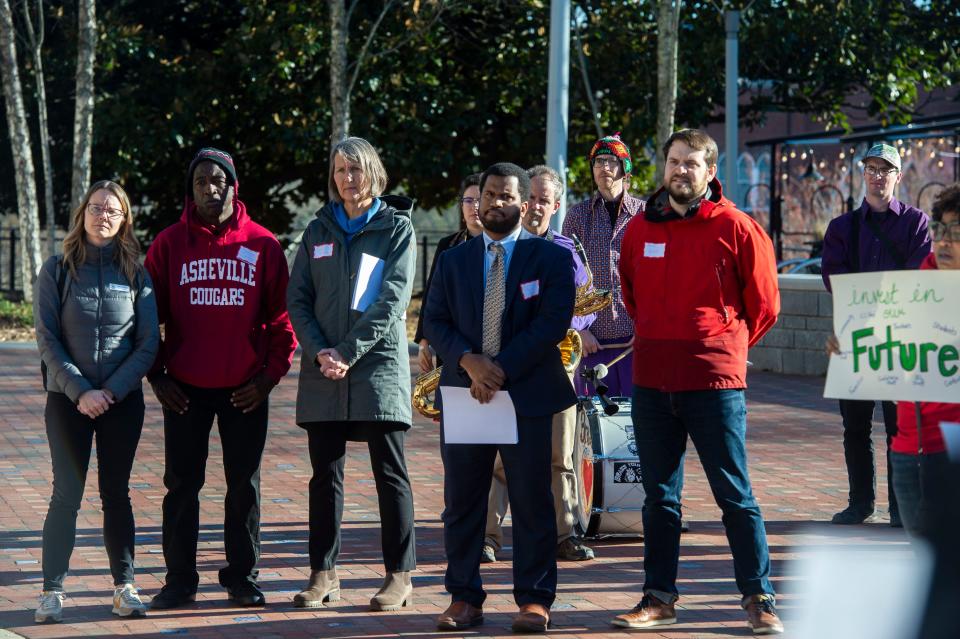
(884,234)
(600,223)
(546,188)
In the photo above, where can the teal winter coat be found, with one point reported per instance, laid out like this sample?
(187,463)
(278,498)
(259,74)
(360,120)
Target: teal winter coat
(373,342)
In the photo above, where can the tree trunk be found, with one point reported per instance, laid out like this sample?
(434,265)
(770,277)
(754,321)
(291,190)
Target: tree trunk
(668,22)
(22,154)
(35,36)
(339,99)
(83,111)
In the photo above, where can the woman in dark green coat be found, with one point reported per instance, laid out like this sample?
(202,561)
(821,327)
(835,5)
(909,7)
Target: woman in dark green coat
(348,295)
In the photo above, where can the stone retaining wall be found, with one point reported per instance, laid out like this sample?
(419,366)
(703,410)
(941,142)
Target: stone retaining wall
(795,345)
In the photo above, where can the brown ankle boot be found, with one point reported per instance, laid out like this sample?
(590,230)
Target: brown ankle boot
(324,586)
(395,593)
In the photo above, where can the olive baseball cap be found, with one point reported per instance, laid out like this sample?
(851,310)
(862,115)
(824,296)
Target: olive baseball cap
(884,152)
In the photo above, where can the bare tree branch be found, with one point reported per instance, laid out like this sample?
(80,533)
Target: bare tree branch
(366,45)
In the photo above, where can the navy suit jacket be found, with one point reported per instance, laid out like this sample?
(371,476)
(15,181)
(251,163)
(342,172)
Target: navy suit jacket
(536,317)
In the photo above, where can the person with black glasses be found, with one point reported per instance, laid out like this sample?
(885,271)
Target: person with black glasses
(470,226)
(884,234)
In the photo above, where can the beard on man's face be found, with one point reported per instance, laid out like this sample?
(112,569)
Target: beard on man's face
(684,190)
(504,223)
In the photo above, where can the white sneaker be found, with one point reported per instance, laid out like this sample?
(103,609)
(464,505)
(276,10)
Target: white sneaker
(50,608)
(127,603)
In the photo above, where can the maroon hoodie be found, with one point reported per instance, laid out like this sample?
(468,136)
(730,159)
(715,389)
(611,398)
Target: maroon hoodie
(221,296)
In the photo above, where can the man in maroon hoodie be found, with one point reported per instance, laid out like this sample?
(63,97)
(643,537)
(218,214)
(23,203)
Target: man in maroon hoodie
(220,280)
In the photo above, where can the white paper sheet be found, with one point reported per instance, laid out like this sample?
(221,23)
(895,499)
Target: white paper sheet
(369,278)
(467,421)
(951,438)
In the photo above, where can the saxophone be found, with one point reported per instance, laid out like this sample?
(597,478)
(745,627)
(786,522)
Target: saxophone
(588,300)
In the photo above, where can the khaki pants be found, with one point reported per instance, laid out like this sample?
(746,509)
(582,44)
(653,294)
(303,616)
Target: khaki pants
(563,484)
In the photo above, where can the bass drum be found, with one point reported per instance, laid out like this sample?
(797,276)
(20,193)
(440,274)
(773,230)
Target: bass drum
(611,481)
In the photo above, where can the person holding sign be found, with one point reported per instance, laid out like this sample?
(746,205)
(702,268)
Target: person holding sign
(498,306)
(884,234)
(924,482)
(349,289)
(220,280)
(700,282)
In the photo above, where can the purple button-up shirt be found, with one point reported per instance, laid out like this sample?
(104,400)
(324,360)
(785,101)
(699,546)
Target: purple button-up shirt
(590,222)
(580,277)
(905,225)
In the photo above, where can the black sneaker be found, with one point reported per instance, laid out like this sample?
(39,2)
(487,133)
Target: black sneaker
(246,594)
(852,515)
(172,597)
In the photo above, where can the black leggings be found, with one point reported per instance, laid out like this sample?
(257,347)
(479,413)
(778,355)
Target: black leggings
(70,434)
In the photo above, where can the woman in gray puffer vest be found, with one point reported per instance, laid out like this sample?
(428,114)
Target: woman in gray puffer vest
(348,295)
(97,332)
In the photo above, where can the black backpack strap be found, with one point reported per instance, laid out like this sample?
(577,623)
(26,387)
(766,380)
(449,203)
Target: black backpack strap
(854,253)
(887,243)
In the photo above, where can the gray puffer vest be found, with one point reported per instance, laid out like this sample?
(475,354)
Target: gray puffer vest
(98,330)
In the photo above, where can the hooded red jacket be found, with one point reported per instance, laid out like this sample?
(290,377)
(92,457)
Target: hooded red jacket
(906,440)
(701,289)
(221,296)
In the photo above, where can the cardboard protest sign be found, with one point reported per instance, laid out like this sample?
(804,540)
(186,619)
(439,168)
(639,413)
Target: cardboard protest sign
(899,334)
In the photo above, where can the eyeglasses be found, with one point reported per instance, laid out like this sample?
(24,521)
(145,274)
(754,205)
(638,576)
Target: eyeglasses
(949,232)
(607,162)
(873,171)
(96,211)
(470,201)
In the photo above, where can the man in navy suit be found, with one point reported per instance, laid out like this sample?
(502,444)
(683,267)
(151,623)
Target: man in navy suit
(498,305)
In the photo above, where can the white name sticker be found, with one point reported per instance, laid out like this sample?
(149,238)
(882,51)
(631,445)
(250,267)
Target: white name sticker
(530,289)
(322,250)
(651,249)
(247,255)
(120,288)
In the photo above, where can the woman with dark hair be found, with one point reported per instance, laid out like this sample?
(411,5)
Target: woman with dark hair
(347,297)
(470,226)
(923,479)
(97,333)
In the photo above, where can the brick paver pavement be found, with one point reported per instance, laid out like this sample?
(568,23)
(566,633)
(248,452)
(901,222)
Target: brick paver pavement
(795,462)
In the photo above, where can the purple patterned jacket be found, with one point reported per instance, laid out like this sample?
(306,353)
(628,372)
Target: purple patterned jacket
(589,221)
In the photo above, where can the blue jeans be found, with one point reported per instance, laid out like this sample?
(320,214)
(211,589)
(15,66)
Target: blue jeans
(923,487)
(716,421)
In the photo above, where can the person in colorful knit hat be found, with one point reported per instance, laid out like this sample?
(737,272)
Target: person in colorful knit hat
(600,222)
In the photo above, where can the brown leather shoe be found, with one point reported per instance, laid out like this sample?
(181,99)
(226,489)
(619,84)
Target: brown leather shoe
(762,615)
(460,616)
(648,613)
(532,617)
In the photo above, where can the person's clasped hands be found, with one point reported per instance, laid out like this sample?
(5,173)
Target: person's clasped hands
(94,403)
(486,376)
(332,365)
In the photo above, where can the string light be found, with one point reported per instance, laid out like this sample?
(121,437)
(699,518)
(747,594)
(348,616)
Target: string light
(784,177)
(823,164)
(803,156)
(793,154)
(933,154)
(940,163)
(842,155)
(920,144)
(783,158)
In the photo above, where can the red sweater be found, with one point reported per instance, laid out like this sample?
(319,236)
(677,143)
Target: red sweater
(222,298)
(700,290)
(931,414)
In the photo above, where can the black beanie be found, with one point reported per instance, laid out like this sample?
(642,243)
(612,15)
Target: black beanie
(221,158)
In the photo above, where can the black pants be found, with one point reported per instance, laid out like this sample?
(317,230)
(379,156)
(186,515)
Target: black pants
(186,441)
(468,469)
(70,434)
(328,449)
(858,450)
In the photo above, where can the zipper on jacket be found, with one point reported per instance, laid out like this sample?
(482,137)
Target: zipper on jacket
(723,306)
(99,353)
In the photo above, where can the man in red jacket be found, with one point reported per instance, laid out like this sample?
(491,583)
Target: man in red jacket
(700,283)
(220,281)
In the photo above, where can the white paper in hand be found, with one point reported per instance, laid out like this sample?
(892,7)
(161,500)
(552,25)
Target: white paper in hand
(369,279)
(467,421)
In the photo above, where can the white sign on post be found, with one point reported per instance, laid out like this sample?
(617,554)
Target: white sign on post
(899,334)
